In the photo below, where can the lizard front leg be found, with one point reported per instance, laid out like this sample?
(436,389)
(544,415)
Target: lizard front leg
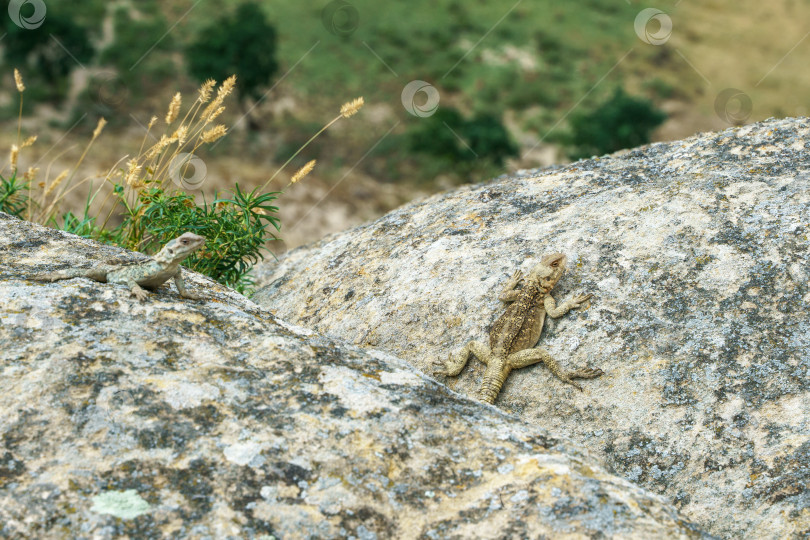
(555,311)
(509,294)
(181,286)
(456,361)
(528,357)
(136,290)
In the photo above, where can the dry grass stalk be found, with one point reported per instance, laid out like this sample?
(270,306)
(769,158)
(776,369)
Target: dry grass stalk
(19,81)
(346,110)
(216,132)
(205,90)
(99,128)
(58,180)
(174,108)
(15,155)
(303,171)
(351,108)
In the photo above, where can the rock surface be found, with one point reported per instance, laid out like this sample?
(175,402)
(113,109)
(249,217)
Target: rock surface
(697,254)
(212,419)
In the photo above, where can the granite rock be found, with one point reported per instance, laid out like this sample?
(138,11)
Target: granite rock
(697,254)
(176,418)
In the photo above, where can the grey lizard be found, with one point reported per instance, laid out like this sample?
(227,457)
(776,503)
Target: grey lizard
(516,332)
(150,274)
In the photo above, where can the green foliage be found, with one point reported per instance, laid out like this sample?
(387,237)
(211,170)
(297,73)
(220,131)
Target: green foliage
(449,137)
(243,44)
(13,195)
(488,138)
(137,66)
(42,53)
(436,136)
(236,229)
(622,121)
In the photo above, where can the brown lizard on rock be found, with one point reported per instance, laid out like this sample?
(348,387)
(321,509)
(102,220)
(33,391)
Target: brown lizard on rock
(517,331)
(150,274)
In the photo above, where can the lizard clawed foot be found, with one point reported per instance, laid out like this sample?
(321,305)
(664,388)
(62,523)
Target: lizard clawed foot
(139,293)
(577,301)
(439,368)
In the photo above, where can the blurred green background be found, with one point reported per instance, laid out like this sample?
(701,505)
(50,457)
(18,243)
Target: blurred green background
(520,85)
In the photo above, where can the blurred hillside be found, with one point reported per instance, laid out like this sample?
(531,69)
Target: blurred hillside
(514,82)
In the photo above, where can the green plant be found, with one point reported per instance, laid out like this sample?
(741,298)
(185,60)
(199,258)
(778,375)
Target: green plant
(243,43)
(449,137)
(622,121)
(44,50)
(135,68)
(236,230)
(13,195)
(237,226)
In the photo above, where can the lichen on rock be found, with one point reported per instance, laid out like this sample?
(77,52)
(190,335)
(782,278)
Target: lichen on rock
(215,419)
(697,254)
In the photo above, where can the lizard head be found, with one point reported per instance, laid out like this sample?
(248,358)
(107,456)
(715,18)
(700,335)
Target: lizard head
(550,269)
(181,247)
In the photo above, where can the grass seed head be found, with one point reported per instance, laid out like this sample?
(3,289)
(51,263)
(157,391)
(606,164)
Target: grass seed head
(15,154)
(303,171)
(205,90)
(58,180)
(99,127)
(18,81)
(174,108)
(31,173)
(351,108)
(214,133)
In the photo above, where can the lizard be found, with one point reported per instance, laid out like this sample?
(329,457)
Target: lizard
(149,274)
(516,332)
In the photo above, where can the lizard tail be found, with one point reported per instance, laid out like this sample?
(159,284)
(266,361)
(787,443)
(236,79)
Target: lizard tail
(491,386)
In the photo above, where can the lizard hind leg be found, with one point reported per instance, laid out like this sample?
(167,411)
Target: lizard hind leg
(457,360)
(528,357)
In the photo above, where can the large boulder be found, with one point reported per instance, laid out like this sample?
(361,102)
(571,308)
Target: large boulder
(175,418)
(696,252)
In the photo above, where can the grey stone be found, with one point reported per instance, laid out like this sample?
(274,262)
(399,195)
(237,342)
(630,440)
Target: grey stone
(697,253)
(213,419)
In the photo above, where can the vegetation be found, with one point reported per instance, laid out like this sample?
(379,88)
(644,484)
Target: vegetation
(50,51)
(243,43)
(534,65)
(621,122)
(448,136)
(146,194)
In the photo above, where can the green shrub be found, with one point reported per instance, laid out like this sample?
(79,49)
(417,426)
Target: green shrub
(448,136)
(243,43)
(621,122)
(43,51)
